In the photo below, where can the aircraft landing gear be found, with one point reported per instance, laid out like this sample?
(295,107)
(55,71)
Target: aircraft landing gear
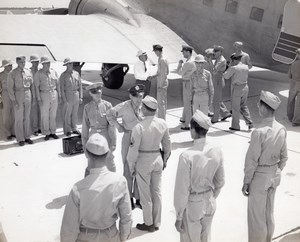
(113,74)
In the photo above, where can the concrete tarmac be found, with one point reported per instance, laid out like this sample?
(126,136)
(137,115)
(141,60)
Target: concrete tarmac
(36,179)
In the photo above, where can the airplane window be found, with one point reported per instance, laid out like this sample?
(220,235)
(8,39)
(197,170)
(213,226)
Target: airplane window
(209,3)
(231,6)
(257,14)
(280,21)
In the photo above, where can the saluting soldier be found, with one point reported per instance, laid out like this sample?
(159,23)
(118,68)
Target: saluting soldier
(21,92)
(8,110)
(185,69)
(238,72)
(199,179)
(162,81)
(35,114)
(48,96)
(95,121)
(265,159)
(71,92)
(97,202)
(218,81)
(245,59)
(130,114)
(146,163)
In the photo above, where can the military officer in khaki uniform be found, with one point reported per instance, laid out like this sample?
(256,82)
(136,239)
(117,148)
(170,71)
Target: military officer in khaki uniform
(35,114)
(265,159)
(97,202)
(48,96)
(245,59)
(146,163)
(8,110)
(199,179)
(95,121)
(162,81)
(130,114)
(71,92)
(21,92)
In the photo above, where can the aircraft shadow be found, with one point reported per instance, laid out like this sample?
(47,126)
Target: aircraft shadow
(136,233)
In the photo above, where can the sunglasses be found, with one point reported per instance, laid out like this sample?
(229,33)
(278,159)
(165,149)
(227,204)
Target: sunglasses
(95,91)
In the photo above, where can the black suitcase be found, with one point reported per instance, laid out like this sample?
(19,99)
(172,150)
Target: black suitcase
(72,145)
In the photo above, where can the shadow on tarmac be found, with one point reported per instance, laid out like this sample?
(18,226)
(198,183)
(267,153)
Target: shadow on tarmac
(291,238)
(136,233)
(57,203)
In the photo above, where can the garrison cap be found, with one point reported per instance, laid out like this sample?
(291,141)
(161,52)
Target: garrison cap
(199,58)
(96,85)
(270,99)
(150,102)
(34,57)
(67,61)
(97,144)
(202,119)
(157,47)
(6,62)
(45,59)
(238,44)
(218,48)
(187,48)
(136,89)
(21,57)
(141,52)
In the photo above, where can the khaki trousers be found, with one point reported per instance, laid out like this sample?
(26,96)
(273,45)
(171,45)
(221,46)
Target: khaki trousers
(35,116)
(8,115)
(293,106)
(148,175)
(197,218)
(71,112)
(162,102)
(48,112)
(131,182)
(107,235)
(22,115)
(261,205)
(239,95)
(200,102)
(187,102)
(218,105)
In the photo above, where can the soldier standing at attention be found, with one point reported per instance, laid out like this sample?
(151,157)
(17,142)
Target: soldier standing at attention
(199,179)
(21,92)
(35,114)
(146,163)
(238,46)
(217,76)
(48,96)
(185,69)
(97,202)
(293,106)
(130,113)
(95,120)
(238,72)
(162,81)
(8,109)
(71,93)
(265,159)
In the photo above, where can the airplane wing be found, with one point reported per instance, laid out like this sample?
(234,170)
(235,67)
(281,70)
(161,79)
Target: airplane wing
(86,38)
(289,38)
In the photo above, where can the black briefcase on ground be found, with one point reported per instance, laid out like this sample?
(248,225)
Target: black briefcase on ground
(72,145)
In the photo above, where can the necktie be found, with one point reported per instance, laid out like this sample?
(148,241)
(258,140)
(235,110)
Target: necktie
(145,66)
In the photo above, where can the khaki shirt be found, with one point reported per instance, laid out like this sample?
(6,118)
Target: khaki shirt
(129,114)
(202,82)
(219,67)
(95,118)
(200,169)
(162,73)
(187,69)
(294,71)
(19,80)
(237,73)
(147,136)
(70,82)
(96,202)
(3,81)
(46,82)
(267,148)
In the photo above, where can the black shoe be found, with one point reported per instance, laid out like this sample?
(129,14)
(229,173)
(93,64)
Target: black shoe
(36,133)
(9,137)
(29,141)
(138,204)
(185,128)
(22,143)
(223,119)
(295,124)
(181,121)
(39,131)
(13,136)
(210,115)
(213,122)
(76,132)
(54,136)
(144,227)
(233,129)
(156,228)
(132,204)
(47,137)
(68,134)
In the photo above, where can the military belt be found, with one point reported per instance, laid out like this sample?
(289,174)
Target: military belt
(268,165)
(48,91)
(149,151)
(91,231)
(199,193)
